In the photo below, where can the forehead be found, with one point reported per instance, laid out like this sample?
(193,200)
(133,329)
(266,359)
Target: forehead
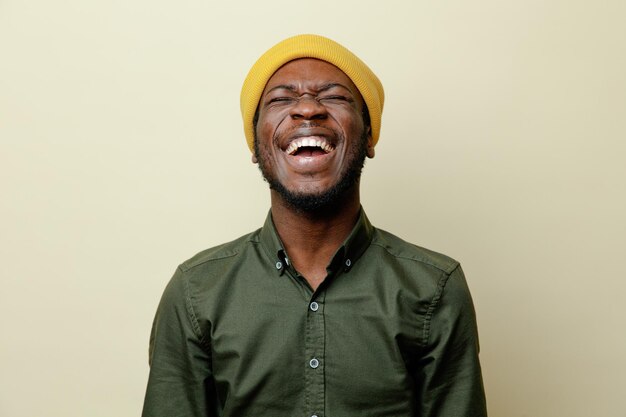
(310,72)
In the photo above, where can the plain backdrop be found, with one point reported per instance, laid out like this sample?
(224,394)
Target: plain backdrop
(122,154)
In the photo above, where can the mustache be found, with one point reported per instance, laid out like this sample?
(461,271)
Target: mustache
(307,128)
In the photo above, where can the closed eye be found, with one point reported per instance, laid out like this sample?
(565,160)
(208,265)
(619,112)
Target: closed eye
(277,99)
(336,98)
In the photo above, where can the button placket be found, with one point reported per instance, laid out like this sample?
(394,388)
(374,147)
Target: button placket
(314,351)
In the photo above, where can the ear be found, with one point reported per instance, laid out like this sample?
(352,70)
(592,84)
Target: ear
(254,160)
(370,143)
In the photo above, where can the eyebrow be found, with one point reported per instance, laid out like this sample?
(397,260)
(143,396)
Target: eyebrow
(321,89)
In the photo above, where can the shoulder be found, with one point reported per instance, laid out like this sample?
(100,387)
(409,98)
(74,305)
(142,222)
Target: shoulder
(438,280)
(404,251)
(221,252)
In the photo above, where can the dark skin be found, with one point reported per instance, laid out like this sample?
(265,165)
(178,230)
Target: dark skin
(312,100)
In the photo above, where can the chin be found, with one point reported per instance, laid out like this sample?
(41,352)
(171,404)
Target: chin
(318,200)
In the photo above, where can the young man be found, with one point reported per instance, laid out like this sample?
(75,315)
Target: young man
(317,313)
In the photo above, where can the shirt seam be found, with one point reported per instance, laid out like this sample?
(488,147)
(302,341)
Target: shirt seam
(448,270)
(185,268)
(441,284)
(193,318)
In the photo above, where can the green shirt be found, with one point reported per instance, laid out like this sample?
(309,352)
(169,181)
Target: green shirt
(390,332)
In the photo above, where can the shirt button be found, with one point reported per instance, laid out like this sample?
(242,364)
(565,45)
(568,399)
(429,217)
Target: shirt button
(314,306)
(314,363)
(348,262)
(279,265)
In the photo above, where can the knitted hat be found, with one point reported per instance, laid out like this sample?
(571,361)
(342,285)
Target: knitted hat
(310,46)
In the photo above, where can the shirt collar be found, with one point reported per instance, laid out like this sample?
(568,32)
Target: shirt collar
(346,256)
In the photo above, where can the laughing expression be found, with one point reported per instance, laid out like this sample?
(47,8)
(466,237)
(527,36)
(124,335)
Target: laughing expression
(311,138)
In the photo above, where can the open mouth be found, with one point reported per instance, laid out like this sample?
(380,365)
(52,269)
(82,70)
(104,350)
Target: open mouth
(309,146)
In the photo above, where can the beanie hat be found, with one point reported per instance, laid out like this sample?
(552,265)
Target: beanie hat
(310,46)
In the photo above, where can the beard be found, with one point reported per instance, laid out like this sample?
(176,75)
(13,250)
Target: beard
(323,200)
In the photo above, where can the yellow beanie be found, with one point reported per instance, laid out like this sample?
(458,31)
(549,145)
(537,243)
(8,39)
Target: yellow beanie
(310,46)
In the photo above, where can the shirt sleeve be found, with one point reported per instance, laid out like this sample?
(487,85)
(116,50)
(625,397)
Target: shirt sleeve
(180,382)
(449,381)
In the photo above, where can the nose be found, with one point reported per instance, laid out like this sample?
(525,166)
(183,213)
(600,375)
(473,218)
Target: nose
(308,108)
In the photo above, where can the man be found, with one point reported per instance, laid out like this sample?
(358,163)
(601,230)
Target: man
(317,313)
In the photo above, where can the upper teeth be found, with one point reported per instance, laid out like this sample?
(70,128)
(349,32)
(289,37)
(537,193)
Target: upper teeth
(309,142)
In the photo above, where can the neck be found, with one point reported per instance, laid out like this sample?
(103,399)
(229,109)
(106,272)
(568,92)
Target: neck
(311,238)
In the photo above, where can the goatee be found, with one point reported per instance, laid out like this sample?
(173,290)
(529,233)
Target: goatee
(325,200)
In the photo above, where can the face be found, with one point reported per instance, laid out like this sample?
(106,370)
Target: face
(311,139)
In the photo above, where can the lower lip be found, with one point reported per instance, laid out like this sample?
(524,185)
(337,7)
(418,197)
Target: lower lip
(309,162)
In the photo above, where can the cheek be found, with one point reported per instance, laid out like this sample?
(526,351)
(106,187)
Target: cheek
(353,128)
(265,133)
(349,119)
(267,125)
